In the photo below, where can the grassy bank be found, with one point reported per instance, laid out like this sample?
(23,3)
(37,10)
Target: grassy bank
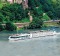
(3,4)
(24,20)
(51,24)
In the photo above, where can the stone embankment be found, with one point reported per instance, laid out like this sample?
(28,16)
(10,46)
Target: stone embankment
(20,25)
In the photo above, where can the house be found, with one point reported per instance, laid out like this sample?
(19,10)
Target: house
(10,1)
(24,2)
(14,1)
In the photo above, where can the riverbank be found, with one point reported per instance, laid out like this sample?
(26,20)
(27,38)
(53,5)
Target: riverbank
(53,23)
(5,34)
(46,24)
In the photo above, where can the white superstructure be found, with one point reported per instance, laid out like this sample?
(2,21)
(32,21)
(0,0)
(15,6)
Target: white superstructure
(17,37)
(33,34)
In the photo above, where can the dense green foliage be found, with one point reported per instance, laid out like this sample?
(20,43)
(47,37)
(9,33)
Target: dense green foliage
(45,17)
(36,23)
(51,7)
(13,12)
(37,12)
(1,5)
(10,26)
(2,17)
(1,27)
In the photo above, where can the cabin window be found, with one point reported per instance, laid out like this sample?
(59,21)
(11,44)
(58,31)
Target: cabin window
(14,37)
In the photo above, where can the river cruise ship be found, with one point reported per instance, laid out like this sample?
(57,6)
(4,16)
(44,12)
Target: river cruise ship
(32,34)
(21,36)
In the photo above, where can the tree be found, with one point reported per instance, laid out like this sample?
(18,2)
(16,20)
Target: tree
(10,26)
(14,11)
(50,14)
(58,11)
(1,27)
(46,7)
(38,11)
(37,3)
(31,4)
(36,23)
(2,18)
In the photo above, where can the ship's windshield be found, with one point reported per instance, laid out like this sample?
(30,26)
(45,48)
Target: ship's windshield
(14,37)
(25,36)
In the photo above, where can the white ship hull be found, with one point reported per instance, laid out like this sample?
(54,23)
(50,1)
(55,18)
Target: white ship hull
(31,35)
(20,37)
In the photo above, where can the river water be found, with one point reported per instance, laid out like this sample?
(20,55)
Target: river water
(44,46)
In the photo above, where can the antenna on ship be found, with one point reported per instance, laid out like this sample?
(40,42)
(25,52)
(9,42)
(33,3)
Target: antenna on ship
(17,30)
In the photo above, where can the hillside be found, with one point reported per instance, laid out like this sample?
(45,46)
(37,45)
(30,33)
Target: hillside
(36,8)
(51,7)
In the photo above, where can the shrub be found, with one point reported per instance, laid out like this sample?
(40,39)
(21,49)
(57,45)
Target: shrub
(36,23)
(10,26)
(1,27)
